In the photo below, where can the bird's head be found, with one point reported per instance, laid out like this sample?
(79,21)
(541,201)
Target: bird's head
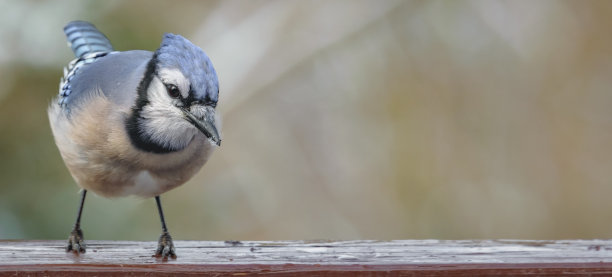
(177,98)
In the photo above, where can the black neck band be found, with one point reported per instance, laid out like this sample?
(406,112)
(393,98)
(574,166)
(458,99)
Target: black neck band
(134,124)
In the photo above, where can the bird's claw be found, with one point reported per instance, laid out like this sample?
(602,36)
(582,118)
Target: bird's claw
(75,241)
(165,247)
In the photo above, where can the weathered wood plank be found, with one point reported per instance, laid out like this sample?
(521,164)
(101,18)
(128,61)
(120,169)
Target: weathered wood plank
(306,258)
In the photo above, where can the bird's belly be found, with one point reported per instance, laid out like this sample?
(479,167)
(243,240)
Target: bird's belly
(163,172)
(102,159)
(116,179)
(146,184)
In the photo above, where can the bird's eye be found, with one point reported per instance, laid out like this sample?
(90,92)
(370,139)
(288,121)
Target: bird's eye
(173,91)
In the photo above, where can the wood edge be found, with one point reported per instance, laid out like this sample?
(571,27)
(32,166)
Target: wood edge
(160,268)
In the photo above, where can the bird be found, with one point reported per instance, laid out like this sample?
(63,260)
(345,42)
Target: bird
(134,123)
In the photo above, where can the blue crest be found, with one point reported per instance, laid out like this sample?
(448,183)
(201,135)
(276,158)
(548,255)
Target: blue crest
(177,52)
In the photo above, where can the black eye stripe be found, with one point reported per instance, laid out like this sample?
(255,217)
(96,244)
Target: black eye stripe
(191,100)
(174,92)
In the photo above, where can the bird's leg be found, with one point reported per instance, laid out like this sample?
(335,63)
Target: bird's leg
(165,247)
(75,240)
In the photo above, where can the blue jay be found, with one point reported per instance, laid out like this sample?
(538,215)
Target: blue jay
(134,122)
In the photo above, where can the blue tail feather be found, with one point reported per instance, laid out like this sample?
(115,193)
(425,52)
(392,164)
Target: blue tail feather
(84,38)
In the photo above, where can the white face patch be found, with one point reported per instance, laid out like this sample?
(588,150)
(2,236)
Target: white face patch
(175,77)
(164,123)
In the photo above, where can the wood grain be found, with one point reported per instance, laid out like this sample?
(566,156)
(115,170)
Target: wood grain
(313,258)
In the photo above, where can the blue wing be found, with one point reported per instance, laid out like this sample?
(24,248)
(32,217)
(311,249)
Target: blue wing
(116,75)
(98,68)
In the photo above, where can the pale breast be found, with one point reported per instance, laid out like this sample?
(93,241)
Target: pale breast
(100,157)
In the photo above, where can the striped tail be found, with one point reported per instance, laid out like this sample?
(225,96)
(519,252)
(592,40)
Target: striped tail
(84,38)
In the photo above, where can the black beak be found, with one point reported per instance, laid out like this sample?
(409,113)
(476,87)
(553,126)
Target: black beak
(205,125)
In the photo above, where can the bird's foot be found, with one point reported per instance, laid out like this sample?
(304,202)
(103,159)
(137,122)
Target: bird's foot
(165,247)
(75,241)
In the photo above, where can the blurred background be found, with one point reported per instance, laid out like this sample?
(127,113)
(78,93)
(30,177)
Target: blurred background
(341,120)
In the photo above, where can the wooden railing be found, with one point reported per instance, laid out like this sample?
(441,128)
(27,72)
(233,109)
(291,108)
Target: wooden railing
(312,258)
